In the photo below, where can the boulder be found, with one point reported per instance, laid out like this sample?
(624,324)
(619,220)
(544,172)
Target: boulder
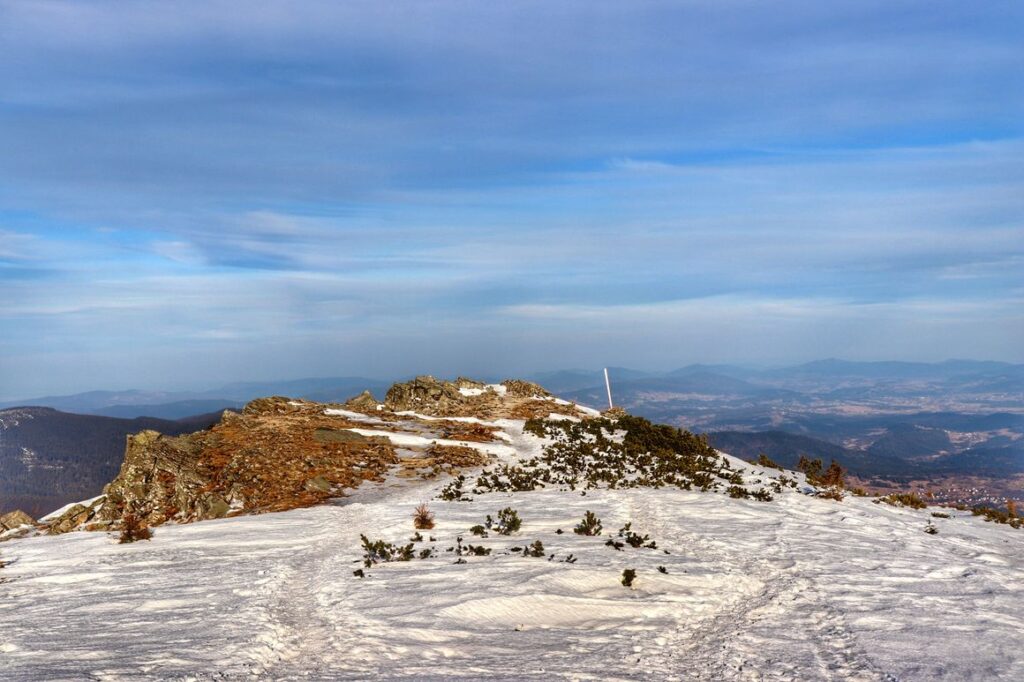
(70,520)
(364,402)
(318,484)
(15,519)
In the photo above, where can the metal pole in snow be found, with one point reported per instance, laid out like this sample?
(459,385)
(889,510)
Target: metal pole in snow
(608,386)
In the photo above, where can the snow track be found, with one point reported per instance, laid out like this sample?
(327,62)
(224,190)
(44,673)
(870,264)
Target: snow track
(795,589)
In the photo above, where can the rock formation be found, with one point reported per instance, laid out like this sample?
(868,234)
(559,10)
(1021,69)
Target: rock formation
(280,454)
(15,519)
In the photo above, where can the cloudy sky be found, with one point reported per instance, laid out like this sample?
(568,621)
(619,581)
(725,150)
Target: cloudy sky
(198,192)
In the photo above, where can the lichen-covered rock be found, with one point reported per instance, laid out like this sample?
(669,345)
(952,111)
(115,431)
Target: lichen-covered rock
(69,520)
(518,388)
(270,457)
(423,392)
(364,402)
(15,519)
(279,453)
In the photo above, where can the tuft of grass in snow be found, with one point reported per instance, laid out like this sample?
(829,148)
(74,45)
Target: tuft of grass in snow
(422,517)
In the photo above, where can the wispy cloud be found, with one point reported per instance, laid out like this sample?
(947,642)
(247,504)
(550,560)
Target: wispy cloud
(323,186)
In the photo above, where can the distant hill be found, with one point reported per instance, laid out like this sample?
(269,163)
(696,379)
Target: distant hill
(176,410)
(49,458)
(174,405)
(786,449)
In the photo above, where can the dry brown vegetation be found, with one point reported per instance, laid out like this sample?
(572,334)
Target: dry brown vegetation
(133,529)
(423,518)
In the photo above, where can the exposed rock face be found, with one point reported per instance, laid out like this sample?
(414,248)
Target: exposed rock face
(423,392)
(279,454)
(468,398)
(80,516)
(364,402)
(268,458)
(15,519)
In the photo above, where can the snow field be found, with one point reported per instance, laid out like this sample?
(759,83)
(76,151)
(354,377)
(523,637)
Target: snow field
(797,588)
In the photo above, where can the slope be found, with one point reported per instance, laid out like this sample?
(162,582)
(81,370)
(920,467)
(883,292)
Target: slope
(796,588)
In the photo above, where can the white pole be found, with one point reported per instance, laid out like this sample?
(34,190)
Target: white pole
(608,385)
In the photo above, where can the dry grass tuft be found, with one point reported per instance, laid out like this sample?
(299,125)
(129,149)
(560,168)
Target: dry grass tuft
(132,529)
(423,518)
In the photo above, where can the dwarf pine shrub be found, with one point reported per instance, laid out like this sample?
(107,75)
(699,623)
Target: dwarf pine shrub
(629,452)
(534,550)
(508,522)
(635,539)
(628,576)
(380,551)
(590,525)
(904,500)
(998,516)
(764,461)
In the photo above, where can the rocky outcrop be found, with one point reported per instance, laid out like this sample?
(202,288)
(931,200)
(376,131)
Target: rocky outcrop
(364,402)
(279,453)
(79,516)
(423,392)
(467,398)
(15,519)
(271,457)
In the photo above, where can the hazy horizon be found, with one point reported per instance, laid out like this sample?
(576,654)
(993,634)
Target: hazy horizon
(200,387)
(202,192)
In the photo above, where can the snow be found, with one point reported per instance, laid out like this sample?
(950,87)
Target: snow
(52,516)
(473,392)
(420,441)
(795,589)
(354,416)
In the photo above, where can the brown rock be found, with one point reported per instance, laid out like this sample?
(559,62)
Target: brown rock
(15,519)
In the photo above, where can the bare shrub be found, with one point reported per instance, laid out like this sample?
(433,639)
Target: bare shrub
(423,518)
(133,528)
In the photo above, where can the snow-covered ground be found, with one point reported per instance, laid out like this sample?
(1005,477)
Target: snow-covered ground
(795,589)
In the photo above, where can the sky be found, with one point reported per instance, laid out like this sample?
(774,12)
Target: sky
(200,192)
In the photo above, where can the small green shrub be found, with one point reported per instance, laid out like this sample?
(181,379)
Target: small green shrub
(590,525)
(998,516)
(380,551)
(904,500)
(453,492)
(635,539)
(478,530)
(764,461)
(628,576)
(508,522)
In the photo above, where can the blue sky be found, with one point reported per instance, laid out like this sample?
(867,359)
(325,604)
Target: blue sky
(197,192)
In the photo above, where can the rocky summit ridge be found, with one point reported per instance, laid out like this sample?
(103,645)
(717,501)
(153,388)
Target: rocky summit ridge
(279,453)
